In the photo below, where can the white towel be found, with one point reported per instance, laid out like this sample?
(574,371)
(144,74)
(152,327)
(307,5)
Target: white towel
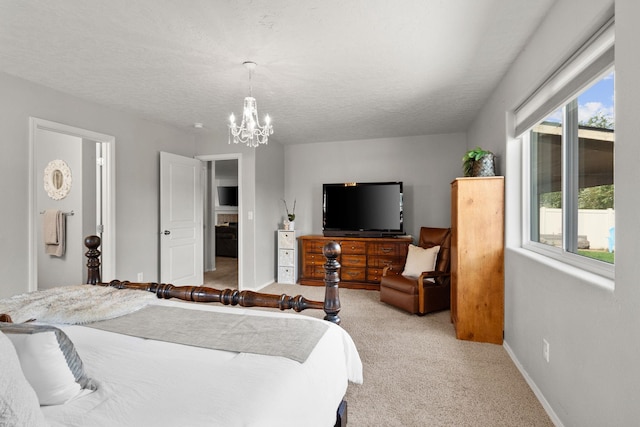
(54,230)
(50,226)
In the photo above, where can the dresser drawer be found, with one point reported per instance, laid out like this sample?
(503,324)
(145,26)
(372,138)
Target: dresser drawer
(381,261)
(286,275)
(388,249)
(314,259)
(352,274)
(313,271)
(353,247)
(286,239)
(353,260)
(286,257)
(313,246)
(374,274)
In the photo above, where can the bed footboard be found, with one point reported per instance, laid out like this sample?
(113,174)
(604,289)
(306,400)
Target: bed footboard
(330,305)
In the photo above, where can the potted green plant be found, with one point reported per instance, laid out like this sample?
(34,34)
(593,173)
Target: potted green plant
(478,162)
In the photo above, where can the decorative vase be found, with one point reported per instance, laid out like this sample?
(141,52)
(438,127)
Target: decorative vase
(288,225)
(485,166)
(292,225)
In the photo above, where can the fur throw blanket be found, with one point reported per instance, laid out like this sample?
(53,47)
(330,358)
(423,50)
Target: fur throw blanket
(76,304)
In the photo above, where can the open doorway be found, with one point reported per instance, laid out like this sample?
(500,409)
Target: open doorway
(222,215)
(83,164)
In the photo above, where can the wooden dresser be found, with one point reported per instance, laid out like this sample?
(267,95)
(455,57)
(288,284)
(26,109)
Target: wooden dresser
(477,258)
(362,259)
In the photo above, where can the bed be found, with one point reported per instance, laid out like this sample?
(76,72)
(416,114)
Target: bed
(153,354)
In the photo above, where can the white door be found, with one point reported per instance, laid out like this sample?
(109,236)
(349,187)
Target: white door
(180,220)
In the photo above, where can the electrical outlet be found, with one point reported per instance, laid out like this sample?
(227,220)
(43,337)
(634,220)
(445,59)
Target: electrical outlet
(140,277)
(545,349)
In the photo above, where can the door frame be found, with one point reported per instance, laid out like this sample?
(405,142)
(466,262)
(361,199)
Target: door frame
(108,249)
(238,157)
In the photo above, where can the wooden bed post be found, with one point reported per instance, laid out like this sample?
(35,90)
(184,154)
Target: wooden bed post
(93,262)
(331,252)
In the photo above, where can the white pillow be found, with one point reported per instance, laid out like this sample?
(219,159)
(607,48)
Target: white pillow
(18,402)
(420,260)
(49,362)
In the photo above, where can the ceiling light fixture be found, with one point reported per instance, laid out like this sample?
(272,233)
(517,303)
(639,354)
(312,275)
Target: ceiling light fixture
(250,132)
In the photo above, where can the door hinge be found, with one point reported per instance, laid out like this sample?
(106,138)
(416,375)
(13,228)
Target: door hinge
(100,228)
(100,161)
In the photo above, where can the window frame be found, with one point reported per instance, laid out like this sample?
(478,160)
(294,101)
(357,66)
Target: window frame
(569,148)
(589,62)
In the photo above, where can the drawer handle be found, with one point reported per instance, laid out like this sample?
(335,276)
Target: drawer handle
(352,274)
(386,250)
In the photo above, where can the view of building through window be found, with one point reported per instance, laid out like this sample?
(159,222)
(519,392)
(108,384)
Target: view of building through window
(572,189)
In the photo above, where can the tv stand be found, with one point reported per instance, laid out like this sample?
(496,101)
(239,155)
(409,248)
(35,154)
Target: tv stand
(361,262)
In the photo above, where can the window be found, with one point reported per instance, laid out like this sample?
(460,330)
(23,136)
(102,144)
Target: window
(569,161)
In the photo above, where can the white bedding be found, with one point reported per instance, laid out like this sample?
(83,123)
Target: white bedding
(154,383)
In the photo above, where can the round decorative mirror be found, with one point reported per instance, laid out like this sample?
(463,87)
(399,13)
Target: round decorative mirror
(57,179)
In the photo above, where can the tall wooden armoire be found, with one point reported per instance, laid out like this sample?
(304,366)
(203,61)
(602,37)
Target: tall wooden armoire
(477,258)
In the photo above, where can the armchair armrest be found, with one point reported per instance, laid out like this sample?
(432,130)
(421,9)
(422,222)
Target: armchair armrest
(431,275)
(422,283)
(388,270)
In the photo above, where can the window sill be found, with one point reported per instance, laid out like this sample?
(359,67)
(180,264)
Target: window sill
(595,279)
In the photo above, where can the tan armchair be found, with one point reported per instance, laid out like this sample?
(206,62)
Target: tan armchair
(420,295)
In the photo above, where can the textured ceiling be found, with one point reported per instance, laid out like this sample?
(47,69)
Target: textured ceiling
(328,70)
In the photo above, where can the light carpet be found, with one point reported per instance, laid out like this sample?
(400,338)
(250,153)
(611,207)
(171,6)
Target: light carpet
(416,373)
(225,275)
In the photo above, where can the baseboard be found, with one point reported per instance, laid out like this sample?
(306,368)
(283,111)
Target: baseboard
(545,404)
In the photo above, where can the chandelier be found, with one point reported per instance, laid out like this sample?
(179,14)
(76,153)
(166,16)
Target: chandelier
(250,131)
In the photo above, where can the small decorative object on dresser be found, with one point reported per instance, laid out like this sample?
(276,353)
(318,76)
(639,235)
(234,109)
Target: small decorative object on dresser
(479,162)
(289,223)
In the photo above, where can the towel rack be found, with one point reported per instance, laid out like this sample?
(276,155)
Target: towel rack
(63,213)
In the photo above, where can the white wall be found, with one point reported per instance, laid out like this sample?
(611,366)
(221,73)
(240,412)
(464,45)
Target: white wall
(138,143)
(53,270)
(270,183)
(425,164)
(593,377)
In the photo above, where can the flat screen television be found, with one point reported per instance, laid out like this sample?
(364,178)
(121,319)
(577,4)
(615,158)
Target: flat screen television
(228,195)
(367,209)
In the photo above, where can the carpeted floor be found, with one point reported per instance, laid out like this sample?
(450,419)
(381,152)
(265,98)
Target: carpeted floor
(416,373)
(225,275)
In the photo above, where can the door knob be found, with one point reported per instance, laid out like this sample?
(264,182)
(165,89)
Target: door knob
(167,232)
